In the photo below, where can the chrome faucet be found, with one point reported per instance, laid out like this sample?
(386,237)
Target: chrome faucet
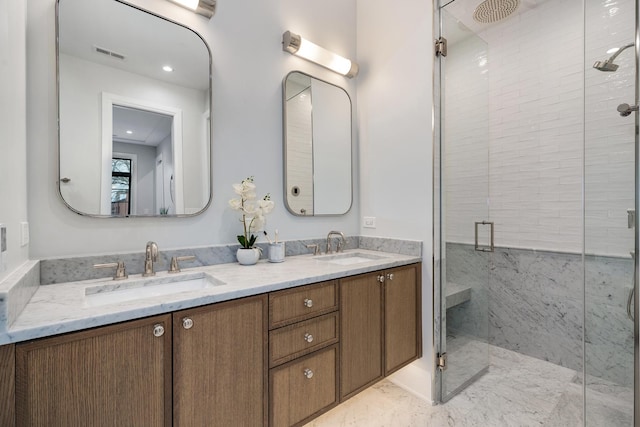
(341,243)
(150,256)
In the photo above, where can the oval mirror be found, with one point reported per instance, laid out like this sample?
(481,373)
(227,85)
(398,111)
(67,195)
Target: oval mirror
(134,103)
(317,146)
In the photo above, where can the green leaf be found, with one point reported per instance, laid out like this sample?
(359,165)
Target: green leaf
(243,241)
(252,240)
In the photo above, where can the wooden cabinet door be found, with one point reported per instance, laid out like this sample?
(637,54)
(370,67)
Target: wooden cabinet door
(360,333)
(7,385)
(117,375)
(219,364)
(402,317)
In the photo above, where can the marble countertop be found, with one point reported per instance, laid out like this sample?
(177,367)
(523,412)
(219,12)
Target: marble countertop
(64,307)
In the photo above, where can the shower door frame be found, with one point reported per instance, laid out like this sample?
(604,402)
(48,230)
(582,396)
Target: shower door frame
(439,244)
(636,311)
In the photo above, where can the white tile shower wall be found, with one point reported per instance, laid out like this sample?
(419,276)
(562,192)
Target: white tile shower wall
(299,155)
(537,125)
(609,138)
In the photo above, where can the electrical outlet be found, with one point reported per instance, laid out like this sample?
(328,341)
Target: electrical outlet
(24,233)
(369,222)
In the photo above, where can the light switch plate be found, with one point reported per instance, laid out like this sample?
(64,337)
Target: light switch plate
(369,222)
(24,233)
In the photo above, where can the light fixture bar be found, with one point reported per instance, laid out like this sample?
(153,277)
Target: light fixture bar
(296,45)
(205,8)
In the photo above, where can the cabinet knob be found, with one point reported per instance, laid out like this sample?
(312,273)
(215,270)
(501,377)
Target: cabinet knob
(308,302)
(187,323)
(308,337)
(308,373)
(381,278)
(158,330)
(390,276)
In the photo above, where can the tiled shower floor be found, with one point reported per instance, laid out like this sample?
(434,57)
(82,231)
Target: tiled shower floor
(517,391)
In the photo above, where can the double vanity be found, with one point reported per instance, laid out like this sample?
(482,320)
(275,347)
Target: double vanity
(272,344)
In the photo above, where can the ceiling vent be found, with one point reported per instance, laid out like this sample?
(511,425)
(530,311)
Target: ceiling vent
(108,52)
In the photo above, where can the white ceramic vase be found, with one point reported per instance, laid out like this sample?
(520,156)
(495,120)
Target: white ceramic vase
(248,256)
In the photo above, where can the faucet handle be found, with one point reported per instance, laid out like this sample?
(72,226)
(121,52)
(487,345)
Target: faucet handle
(121,272)
(175,266)
(316,249)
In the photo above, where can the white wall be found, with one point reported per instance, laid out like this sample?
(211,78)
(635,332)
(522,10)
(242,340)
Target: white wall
(395,53)
(13,139)
(248,68)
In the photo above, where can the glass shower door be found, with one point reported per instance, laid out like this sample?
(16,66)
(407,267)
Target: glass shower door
(466,230)
(611,227)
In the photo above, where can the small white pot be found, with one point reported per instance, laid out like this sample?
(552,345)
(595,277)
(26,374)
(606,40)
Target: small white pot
(248,256)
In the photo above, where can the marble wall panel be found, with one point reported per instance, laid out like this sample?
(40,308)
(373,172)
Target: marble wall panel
(536,304)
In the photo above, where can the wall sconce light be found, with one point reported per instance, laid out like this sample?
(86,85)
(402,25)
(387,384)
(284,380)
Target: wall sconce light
(205,8)
(296,45)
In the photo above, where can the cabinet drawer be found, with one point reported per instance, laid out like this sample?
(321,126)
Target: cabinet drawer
(293,305)
(302,338)
(303,388)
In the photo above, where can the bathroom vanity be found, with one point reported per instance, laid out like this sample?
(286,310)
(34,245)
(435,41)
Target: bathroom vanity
(278,353)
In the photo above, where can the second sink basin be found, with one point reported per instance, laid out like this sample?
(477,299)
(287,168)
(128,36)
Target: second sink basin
(114,292)
(350,258)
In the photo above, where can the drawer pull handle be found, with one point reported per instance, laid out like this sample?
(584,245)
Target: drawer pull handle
(308,373)
(158,330)
(308,337)
(187,323)
(390,276)
(381,278)
(308,302)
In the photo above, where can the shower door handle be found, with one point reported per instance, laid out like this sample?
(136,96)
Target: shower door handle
(632,291)
(484,248)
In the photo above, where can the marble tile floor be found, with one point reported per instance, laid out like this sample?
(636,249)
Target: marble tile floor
(517,391)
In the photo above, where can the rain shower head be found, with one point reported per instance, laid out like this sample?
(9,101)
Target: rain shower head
(490,11)
(608,65)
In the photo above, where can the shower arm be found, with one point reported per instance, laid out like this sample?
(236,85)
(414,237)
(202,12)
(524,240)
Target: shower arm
(618,52)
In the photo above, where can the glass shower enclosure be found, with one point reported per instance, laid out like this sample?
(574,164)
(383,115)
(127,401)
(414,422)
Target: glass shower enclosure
(535,185)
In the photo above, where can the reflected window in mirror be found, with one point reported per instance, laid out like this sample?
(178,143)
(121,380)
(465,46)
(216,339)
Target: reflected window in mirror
(317,146)
(120,186)
(138,90)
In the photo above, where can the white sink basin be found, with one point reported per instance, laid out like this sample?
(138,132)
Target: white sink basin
(118,292)
(350,258)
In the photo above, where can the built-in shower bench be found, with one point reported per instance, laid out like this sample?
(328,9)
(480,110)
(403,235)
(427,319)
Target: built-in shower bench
(457,294)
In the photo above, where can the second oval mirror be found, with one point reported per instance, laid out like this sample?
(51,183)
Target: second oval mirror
(317,146)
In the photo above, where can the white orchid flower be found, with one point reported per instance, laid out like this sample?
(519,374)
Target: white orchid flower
(266,206)
(236,204)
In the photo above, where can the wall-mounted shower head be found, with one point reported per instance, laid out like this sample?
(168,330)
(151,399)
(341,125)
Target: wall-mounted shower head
(608,65)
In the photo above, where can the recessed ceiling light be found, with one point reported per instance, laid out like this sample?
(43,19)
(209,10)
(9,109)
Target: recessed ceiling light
(129,132)
(167,68)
